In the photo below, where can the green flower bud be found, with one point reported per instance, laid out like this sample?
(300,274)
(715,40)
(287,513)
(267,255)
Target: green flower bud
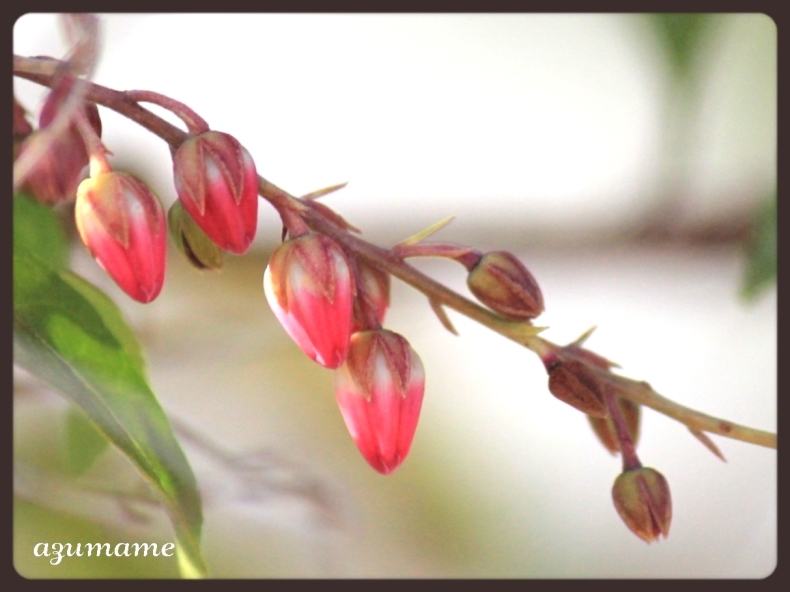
(641,497)
(504,284)
(190,239)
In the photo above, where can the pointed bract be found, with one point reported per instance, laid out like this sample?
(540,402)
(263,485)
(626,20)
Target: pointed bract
(309,287)
(217,184)
(379,390)
(122,224)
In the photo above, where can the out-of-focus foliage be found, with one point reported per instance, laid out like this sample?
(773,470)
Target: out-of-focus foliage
(761,252)
(84,443)
(37,228)
(681,34)
(70,334)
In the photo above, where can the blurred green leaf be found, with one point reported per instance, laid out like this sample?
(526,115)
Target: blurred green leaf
(110,317)
(84,443)
(82,347)
(681,34)
(37,228)
(761,253)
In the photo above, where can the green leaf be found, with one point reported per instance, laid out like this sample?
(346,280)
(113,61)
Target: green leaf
(84,443)
(110,316)
(38,229)
(71,335)
(761,250)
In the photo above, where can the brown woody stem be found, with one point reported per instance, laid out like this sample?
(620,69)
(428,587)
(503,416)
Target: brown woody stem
(194,122)
(41,71)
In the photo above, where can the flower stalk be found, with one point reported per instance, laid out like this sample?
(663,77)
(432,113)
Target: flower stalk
(43,71)
(627,449)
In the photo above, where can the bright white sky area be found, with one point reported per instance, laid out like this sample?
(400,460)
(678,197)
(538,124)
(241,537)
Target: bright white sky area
(490,117)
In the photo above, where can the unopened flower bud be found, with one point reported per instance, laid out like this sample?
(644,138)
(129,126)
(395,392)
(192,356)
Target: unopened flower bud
(504,284)
(574,383)
(22,127)
(641,497)
(380,389)
(604,426)
(217,183)
(190,239)
(122,224)
(56,173)
(376,282)
(310,289)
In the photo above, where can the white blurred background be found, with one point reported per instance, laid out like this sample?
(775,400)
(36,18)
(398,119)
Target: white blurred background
(566,139)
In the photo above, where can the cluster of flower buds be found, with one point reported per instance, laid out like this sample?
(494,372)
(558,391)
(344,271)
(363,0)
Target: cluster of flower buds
(333,307)
(582,379)
(332,302)
(577,377)
(120,220)
(603,427)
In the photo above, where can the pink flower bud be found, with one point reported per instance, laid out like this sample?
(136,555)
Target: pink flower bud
(641,497)
(217,183)
(123,226)
(504,284)
(22,127)
(377,289)
(56,174)
(310,289)
(379,390)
